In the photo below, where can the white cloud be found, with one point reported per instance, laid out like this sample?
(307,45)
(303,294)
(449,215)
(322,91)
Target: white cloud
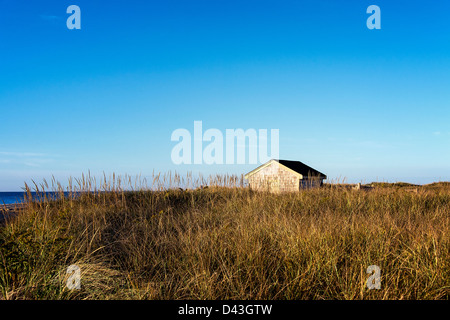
(29,159)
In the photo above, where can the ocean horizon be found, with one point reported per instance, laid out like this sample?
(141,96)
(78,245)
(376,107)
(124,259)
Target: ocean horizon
(12,197)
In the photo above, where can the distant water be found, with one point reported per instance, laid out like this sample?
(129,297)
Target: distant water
(18,197)
(11,197)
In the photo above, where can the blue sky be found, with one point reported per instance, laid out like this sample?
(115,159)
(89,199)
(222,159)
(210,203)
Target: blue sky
(365,105)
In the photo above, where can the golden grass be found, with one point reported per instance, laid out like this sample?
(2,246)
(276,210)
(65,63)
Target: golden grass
(227,242)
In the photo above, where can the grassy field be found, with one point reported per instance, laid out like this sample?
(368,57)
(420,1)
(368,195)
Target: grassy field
(227,242)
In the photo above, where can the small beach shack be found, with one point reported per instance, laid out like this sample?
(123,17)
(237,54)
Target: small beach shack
(284,176)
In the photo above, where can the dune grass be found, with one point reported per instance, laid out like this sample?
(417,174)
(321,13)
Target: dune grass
(226,241)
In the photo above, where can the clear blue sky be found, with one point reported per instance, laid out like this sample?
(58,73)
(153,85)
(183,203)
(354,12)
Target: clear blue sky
(368,105)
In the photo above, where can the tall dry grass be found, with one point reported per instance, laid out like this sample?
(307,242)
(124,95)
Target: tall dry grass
(139,239)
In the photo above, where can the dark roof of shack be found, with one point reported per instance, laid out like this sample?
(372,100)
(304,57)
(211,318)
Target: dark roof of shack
(297,166)
(302,168)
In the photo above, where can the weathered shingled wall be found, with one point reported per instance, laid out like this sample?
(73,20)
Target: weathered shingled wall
(274,178)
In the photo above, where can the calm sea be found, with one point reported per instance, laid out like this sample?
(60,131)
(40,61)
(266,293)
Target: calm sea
(18,197)
(11,197)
